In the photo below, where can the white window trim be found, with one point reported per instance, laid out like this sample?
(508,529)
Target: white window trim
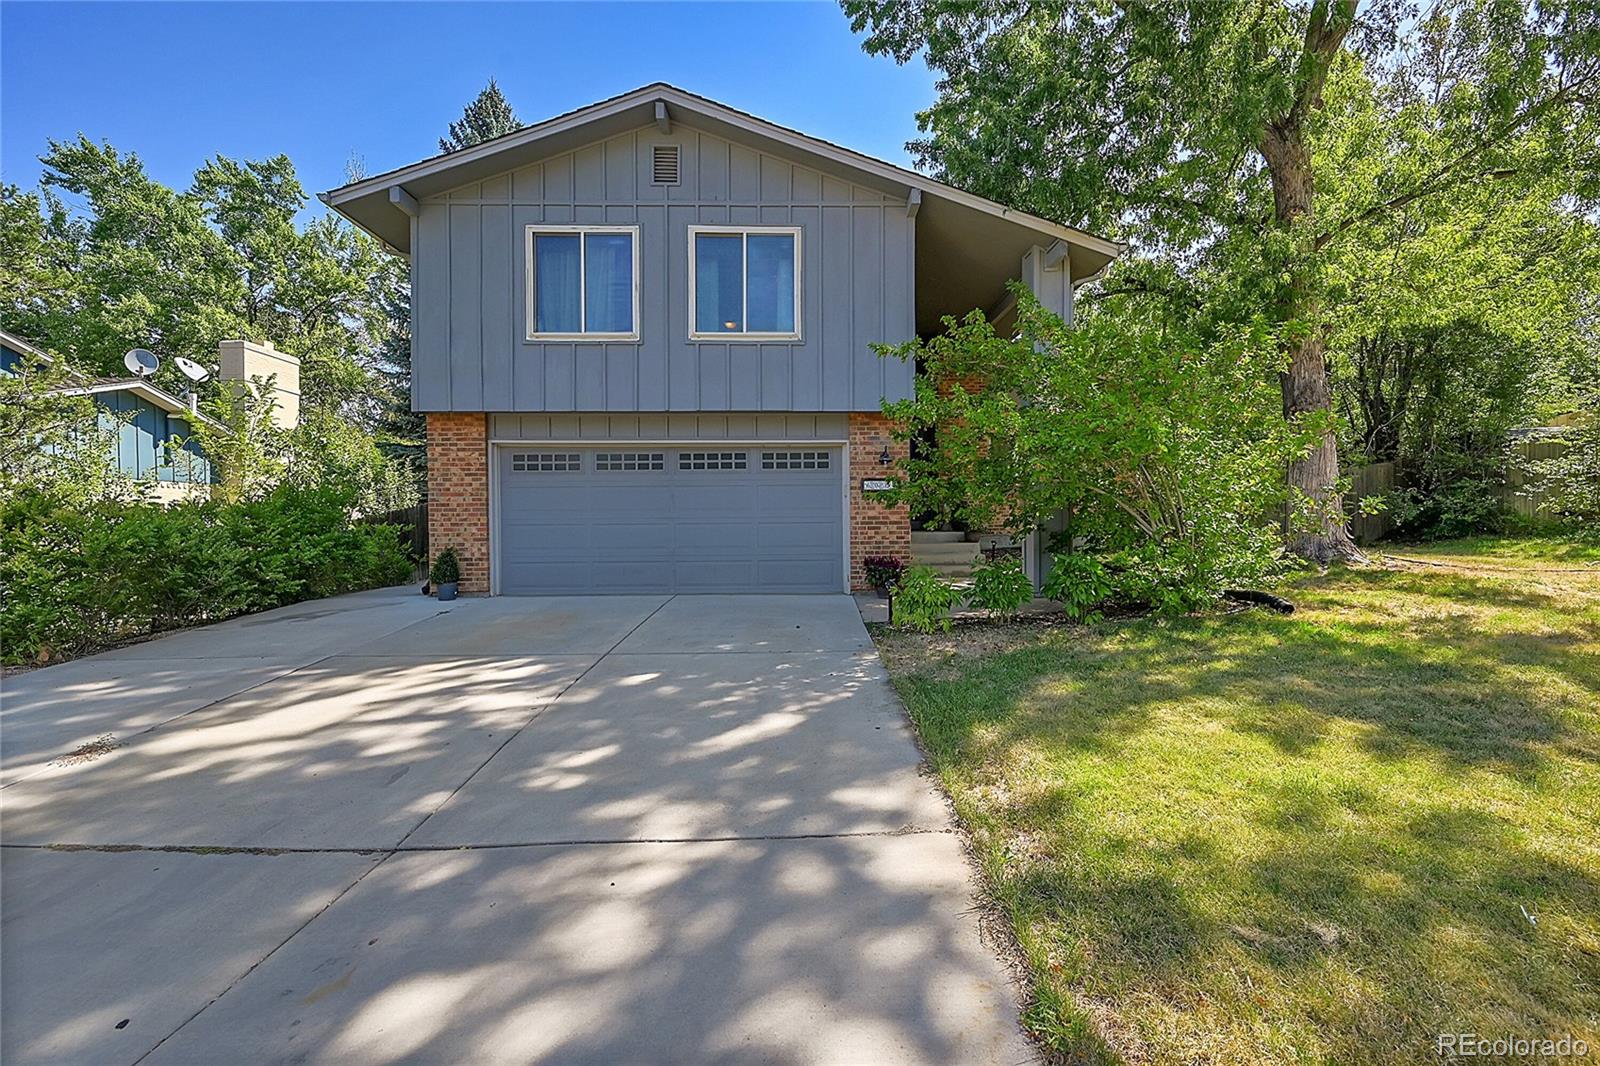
(530,313)
(745,231)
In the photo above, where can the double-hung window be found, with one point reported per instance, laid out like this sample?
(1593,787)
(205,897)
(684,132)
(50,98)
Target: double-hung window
(744,282)
(583,283)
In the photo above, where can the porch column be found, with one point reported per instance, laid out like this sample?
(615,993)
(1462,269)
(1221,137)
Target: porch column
(1047,272)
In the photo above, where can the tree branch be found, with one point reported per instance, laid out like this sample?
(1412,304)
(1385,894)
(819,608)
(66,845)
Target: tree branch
(1448,174)
(1403,200)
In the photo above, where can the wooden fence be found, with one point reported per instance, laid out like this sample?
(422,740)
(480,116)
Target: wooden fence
(1515,493)
(1376,479)
(415,516)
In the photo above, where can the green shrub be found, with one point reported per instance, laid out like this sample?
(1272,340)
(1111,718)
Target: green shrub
(1466,506)
(446,568)
(1000,586)
(923,600)
(1164,442)
(76,576)
(1079,583)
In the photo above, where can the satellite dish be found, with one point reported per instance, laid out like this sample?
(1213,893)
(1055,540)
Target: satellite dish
(141,362)
(192,370)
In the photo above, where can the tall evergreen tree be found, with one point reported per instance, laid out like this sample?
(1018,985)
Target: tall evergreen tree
(487,117)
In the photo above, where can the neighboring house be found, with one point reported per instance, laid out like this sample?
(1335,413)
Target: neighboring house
(154,440)
(642,337)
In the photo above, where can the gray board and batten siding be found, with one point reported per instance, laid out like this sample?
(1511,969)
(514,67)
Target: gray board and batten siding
(470,351)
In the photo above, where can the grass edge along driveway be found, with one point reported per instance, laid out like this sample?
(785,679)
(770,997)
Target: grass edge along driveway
(1322,838)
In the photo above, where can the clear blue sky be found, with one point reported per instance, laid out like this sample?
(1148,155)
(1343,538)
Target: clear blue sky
(178,83)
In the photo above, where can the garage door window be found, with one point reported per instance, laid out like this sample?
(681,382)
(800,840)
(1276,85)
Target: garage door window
(794,460)
(546,462)
(712,460)
(630,461)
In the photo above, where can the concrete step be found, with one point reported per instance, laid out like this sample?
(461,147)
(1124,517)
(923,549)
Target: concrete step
(943,553)
(957,571)
(936,536)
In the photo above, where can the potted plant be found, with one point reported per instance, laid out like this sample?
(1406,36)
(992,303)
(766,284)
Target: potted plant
(446,574)
(883,572)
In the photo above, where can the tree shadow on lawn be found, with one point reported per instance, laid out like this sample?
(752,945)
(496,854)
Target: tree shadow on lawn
(1348,888)
(1445,689)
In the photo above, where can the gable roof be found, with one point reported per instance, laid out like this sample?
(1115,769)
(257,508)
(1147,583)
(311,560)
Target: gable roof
(22,347)
(159,397)
(166,401)
(381,204)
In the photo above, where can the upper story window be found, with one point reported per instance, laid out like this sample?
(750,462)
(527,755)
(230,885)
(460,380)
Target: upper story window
(744,282)
(583,283)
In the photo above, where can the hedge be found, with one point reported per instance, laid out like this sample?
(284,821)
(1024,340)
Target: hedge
(77,577)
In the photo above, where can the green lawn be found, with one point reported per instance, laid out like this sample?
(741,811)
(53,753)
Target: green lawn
(1319,838)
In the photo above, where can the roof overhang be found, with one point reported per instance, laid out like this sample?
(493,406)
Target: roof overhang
(964,242)
(143,389)
(22,347)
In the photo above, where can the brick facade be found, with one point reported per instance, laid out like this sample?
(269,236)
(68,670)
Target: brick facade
(458,492)
(874,528)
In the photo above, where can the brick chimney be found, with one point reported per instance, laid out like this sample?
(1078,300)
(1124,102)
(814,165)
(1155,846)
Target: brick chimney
(243,360)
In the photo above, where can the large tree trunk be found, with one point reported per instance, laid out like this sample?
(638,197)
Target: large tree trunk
(1305,382)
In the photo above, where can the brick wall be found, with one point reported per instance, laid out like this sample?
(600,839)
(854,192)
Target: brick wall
(458,492)
(874,528)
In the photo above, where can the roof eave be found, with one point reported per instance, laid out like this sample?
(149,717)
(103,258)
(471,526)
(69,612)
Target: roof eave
(163,399)
(345,198)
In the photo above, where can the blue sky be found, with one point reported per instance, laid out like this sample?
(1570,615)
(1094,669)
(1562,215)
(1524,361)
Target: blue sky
(178,83)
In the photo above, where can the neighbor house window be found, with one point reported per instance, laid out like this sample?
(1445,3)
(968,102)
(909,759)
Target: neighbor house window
(744,282)
(583,283)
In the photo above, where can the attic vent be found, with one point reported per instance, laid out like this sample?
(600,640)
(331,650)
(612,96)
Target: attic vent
(664,165)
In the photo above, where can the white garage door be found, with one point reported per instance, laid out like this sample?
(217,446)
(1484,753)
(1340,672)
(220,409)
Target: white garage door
(700,518)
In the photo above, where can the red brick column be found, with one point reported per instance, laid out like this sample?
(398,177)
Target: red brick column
(874,528)
(458,492)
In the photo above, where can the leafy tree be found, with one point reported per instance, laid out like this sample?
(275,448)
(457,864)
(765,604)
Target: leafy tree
(487,117)
(146,269)
(1193,129)
(107,259)
(52,439)
(1154,440)
(1454,319)
(245,445)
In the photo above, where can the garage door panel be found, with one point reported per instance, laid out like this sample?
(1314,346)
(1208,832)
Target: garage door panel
(669,530)
(632,539)
(629,502)
(795,574)
(716,577)
(548,578)
(707,538)
(629,576)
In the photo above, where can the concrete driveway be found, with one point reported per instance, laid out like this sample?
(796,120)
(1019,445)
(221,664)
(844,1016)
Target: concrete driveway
(378,829)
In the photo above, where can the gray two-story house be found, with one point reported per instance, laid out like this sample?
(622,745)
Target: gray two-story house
(641,333)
